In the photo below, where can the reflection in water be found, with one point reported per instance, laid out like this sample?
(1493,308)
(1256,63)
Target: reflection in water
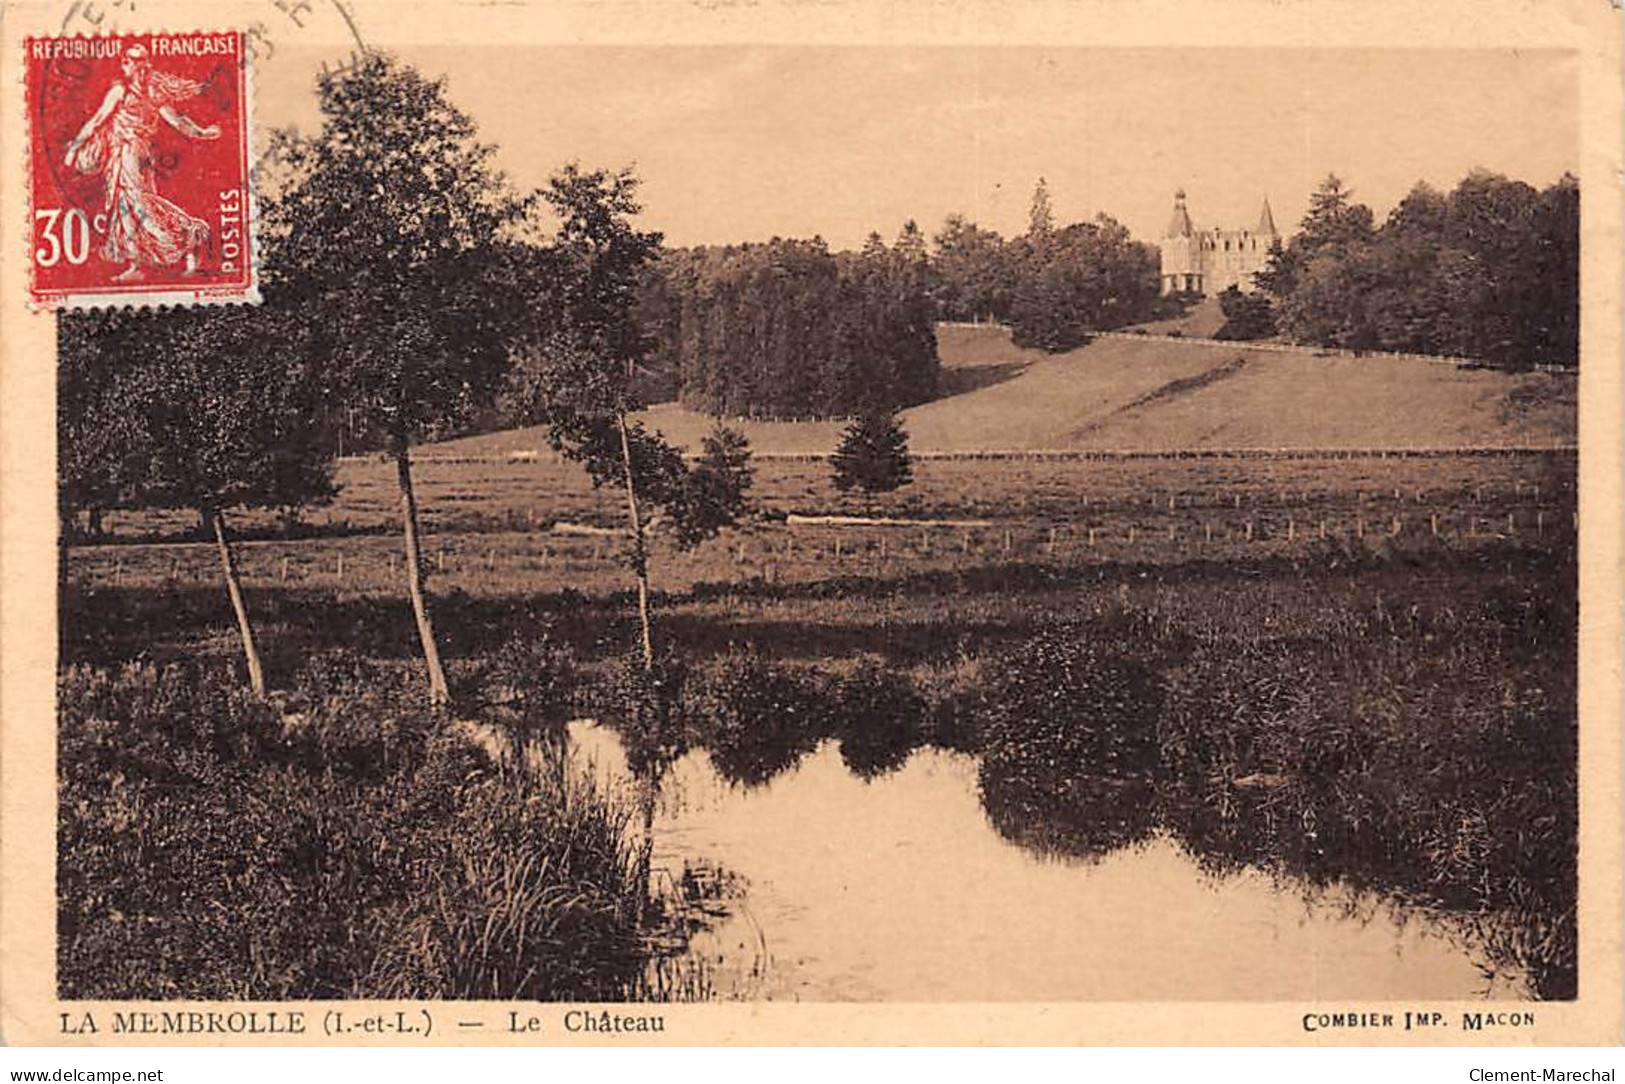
(902,889)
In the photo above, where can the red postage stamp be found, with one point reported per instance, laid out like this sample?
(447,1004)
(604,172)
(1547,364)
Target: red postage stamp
(139,172)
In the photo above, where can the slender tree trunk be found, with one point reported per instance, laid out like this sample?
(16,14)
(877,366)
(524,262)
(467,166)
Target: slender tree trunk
(438,692)
(640,553)
(640,568)
(228,565)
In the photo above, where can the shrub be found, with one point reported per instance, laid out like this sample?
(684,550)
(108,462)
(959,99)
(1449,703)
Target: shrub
(357,715)
(878,717)
(755,717)
(1067,732)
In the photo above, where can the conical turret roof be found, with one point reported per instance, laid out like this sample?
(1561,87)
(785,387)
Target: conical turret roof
(1180,224)
(1266,220)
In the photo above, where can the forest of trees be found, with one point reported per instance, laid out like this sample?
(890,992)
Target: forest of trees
(1490,270)
(789,329)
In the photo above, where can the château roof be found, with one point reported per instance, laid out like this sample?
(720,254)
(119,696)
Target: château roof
(1180,224)
(1266,220)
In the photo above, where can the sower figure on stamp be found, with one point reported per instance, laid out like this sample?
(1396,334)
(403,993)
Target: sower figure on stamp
(143,228)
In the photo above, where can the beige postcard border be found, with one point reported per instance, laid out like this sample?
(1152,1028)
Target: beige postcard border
(29,1011)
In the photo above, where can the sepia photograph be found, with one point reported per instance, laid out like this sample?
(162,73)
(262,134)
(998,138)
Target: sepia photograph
(688,523)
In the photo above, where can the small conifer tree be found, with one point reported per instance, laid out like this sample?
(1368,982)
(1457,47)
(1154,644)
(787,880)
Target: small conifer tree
(873,456)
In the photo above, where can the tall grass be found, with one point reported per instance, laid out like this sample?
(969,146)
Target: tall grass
(211,848)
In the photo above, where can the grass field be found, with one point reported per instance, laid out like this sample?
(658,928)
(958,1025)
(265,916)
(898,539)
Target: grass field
(1122,394)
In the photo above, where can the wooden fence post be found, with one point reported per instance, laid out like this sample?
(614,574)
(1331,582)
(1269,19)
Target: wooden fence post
(1207,532)
(284,573)
(340,569)
(1249,530)
(1540,523)
(1433,524)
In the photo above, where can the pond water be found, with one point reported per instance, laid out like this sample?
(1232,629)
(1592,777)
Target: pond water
(834,888)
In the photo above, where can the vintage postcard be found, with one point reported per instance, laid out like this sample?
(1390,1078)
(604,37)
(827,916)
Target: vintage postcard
(787,523)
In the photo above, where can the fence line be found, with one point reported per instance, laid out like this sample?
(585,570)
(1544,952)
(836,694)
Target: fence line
(1306,349)
(1087,454)
(842,543)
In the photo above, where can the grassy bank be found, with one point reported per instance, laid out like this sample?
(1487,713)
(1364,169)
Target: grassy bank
(346,845)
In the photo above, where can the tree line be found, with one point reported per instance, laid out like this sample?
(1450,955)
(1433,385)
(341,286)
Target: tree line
(789,329)
(1490,270)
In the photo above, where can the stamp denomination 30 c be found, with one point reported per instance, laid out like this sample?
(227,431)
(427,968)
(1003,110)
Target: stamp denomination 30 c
(139,169)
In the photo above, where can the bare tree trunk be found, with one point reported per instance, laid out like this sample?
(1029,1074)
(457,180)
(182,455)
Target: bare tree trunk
(228,565)
(640,553)
(438,692)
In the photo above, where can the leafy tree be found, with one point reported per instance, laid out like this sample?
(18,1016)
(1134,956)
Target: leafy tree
(1333,217)
(579,374)
(389,238)
(911,242)
(209,409)
(712,495)
(873,455)
(972,279)
(101,445)
(1088,276)
(786,329)
(1246,316)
